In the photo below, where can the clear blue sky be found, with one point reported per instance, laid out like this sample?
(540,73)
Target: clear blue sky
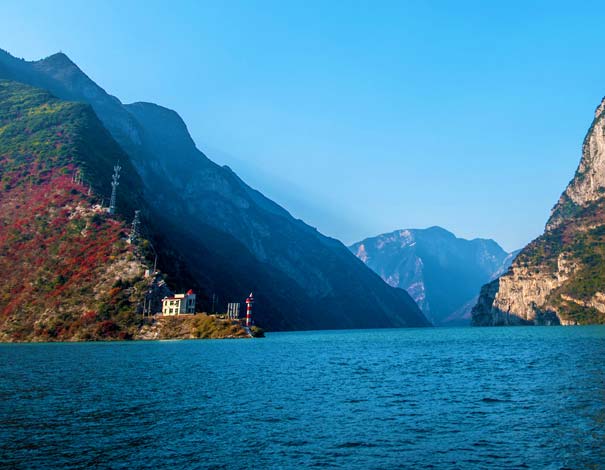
(358,117)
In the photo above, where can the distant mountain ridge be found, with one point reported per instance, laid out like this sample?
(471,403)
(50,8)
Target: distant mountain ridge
(221,235)
(441,272)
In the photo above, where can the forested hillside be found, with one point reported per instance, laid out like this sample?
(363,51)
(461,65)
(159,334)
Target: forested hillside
(67,269)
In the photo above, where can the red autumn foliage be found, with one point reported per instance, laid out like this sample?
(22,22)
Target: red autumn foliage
(89,317)
(50,251)
(107,328)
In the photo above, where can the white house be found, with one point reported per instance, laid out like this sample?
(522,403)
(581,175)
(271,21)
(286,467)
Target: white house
(180,304)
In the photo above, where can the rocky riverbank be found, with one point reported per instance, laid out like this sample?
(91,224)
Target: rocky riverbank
(198,326)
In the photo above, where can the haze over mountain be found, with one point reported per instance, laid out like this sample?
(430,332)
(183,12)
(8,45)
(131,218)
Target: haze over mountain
(220,234)
(441,272)
(559,278)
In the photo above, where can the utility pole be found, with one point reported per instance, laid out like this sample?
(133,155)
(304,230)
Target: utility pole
(114,185)
(147,304)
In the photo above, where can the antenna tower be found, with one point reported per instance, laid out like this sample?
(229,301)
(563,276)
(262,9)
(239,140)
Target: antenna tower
(114,185)
(77,177)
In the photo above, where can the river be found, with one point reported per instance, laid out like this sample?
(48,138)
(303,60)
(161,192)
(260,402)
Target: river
(523,397)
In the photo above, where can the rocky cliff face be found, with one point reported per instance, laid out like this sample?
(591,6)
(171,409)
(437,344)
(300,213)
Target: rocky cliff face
(217,234)
(559,278)
(441,272)
(588,184)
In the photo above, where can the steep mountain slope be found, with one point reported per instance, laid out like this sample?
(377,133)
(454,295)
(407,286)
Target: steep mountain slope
(228,236)
(559,278)
(441,272)
(67,271)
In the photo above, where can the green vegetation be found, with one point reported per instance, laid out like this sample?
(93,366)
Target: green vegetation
(257,332)
(542,253)
(575,312)
(205,326)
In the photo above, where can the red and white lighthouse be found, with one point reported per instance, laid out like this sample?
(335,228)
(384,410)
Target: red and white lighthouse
(249,303)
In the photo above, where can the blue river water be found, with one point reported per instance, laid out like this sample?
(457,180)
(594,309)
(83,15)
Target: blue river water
(524,397)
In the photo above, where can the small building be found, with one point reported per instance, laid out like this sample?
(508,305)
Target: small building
(180,304)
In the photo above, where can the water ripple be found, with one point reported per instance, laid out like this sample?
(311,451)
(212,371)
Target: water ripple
(379,399)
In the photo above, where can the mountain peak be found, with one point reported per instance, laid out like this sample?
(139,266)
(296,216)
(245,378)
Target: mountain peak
(58,60)
(600,108)
(588,184)
(436,229)
(157,112)
(440,271)
(59,56)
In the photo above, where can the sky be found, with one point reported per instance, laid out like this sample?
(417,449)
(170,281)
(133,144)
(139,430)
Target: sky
(358,117)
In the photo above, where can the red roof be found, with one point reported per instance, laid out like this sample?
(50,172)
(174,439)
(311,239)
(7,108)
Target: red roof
(190,292)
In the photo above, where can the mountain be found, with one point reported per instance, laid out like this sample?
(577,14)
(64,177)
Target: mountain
(67,270)
(559,278)
(441,272)
(216,234)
